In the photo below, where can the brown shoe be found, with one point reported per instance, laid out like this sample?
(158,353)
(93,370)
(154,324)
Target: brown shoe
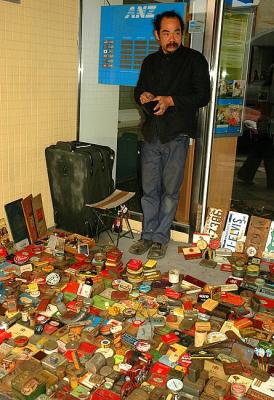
(140,247)
(157,251)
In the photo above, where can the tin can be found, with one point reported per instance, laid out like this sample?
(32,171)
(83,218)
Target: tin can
(95,363)
(73,381)
(25,314)
(238,271)
(31,317)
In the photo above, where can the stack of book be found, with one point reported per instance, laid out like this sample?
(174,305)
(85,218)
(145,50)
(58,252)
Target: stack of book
(113,261)
(134,271)
(26,220)
(150,271)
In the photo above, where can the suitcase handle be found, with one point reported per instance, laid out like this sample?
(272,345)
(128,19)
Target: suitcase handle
(67,146)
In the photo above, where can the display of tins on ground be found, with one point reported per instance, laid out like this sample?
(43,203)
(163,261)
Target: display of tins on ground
(91,325)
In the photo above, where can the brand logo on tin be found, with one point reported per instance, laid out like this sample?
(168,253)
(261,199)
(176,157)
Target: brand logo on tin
(147,11)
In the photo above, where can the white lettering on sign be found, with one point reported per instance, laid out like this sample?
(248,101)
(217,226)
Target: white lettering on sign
(147,11)
(234,230)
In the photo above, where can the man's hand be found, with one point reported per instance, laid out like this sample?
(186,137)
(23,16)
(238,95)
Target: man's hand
(163,103)
(146,97)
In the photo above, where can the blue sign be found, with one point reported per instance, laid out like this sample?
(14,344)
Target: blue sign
(239,3)
(126,38)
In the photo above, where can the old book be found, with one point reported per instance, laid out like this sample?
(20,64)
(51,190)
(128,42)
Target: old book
(39,216)
(17,221)
(29,217)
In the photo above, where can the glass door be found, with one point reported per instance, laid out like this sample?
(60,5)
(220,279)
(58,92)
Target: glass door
(200,34)
(241,160)
(253,184)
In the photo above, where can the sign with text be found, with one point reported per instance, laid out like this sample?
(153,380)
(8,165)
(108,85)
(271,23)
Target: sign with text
(126,38)
(233,66)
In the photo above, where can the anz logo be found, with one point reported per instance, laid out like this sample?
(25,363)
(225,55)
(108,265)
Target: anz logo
(141,12)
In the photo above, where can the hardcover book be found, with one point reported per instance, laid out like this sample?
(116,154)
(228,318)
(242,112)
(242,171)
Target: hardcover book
(16,219)
(29,217)
(39,216)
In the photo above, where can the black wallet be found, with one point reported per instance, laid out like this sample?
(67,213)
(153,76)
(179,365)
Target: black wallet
(149,107)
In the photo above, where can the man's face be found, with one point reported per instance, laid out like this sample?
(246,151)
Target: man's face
(170,35)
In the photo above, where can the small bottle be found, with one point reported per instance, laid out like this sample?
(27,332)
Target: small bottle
(25,314)
(32,318)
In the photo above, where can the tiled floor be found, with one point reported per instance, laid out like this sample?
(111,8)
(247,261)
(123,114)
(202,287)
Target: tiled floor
(254,200)
(172,260)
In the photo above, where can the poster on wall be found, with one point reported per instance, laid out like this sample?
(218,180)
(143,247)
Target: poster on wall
(126,38)
(233,66)
(242,3)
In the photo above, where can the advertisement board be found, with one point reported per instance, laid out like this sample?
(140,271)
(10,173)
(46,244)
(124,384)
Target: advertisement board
(232,74)
(126,38)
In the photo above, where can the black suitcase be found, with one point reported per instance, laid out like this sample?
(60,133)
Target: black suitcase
(79,173)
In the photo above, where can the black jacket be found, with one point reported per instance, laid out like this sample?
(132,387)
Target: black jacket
(183,75)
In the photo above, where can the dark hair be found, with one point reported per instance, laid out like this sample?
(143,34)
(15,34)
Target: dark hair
(166,14)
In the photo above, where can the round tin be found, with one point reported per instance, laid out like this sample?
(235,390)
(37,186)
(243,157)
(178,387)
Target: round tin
(134,294)
(145,288)
(50,347)
(259,282)
(214,244)
(238,390)
(201,244)
(252,270)
(107,353)
(48,268)
(163,310)
(105,371)
(129,313)
(53,278)
(174,276)
(108,385)
(105,330)
(238,271)
(251,251)
(105,343)
(21,341)
(95,363)
(142,346)
(116,329)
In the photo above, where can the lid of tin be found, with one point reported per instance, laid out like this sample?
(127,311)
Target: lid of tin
(251,251)
(50,346)
(106,352)
(214,337)
(253,268)
(21,341)
(214,244)
(53,278)
(142,346)
(201,244)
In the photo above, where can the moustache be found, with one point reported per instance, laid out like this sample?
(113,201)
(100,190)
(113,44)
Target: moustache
(172,44)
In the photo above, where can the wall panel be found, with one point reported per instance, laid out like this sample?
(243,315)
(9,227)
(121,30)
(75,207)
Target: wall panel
(38,92)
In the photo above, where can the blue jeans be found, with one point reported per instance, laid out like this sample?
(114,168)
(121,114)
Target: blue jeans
(162,175)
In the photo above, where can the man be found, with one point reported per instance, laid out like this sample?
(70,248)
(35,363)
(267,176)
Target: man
(176,79)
